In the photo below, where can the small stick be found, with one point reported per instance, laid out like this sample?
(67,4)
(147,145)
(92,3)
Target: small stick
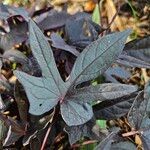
(84,143)
(130,133)
(46,137)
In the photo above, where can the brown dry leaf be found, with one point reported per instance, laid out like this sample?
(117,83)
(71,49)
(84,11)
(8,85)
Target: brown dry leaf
(145,75)
(138,140)
(74,8)
(111,12)
(59,2)
(89,6)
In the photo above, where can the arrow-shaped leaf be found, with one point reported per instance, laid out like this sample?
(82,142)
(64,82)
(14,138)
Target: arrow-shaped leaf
(43,93)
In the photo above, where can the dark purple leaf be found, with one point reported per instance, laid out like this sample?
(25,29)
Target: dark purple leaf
(115,108)
(9,11)
(114,73)
(75,133)
(139,116)
(80,32)
(125,145)
(11,137)
(16,35)
(53,20)
(59,43)
(136,53)
(107,142)
(45,92)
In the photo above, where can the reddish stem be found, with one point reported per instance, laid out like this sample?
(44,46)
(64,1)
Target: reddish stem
(46,137)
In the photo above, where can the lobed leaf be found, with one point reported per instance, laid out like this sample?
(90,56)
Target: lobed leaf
(43,93)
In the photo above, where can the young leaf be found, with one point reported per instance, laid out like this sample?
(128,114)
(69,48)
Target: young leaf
(97,57)
(43,93)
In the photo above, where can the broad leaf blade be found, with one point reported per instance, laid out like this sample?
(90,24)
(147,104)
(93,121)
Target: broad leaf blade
(43,53)
(43,94)
(76,112)
(97,57)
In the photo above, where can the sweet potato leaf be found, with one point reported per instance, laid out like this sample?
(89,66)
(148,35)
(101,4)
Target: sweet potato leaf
(139,117)
(54,20)
(46,91)
(17,34)
(43,53)
(97,57)
(115,108)
(136,53)
(77,29)
(139,49)
(145,138)
(43,93)
(116,72)
(76,112)
(82,98)
(9,11)
(59,43)
(101,92)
